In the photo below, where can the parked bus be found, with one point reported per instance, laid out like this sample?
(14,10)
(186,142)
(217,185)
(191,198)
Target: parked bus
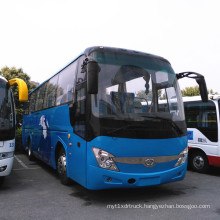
(89,122)
(202,121)
(7,123)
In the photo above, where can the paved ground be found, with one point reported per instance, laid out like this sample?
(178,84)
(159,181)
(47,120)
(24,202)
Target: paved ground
(33,191)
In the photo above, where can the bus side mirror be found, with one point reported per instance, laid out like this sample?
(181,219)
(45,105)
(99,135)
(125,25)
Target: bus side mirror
(22,88)
(203,89)
(93,70)
(199,79)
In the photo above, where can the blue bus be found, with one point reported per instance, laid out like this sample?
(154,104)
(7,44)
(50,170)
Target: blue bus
(98,120)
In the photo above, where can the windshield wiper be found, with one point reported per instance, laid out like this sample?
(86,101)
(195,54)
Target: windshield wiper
(121,128)
(170,121)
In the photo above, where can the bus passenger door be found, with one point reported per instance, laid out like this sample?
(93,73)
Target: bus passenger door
(77,160)
(78,150)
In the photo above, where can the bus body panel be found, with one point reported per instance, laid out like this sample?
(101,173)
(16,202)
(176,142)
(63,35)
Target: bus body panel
(45,129)
(48,128)
(209,147)
(214,160)
(144,176)
(98,178)
(7,146)
(76,159)
(197,140)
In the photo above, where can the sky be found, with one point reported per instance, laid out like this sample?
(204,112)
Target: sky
(42,36)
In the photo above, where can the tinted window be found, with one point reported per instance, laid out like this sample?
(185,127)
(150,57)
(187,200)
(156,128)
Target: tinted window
(7,120)
(40,97)
(81,71)
(32,100)
(203,117)
(66,82)
(50,95)
(26,107)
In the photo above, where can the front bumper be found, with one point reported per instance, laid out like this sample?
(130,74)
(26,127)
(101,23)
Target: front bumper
(98,178)
(8,163)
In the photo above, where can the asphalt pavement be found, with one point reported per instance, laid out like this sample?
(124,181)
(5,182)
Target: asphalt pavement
(33,191)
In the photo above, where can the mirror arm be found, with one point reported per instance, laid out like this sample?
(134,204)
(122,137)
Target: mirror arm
(199,79)
(188,74)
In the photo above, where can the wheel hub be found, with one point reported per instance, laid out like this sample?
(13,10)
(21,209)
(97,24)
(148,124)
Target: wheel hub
(198,162)
(62,165)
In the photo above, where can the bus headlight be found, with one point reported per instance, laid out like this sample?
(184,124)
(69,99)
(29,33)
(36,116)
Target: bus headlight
(104,159)
(6,155)
(182,157)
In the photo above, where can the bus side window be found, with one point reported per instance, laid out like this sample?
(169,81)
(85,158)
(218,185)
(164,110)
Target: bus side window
(40,97)
(26,107)
(66,84)
(50,94)
(203,117)
(32,104)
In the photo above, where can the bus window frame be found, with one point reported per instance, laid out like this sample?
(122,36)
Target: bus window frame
(198,103)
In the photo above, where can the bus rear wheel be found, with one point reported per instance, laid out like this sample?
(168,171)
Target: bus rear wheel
(30,154)
(61,167)
(199,162)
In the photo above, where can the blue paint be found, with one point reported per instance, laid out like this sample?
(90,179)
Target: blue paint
(82,166)
(12,144)
(98,178)
(144,176)
(45,139)
(190,135)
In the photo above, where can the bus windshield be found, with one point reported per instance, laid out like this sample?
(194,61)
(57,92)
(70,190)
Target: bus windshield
(7,121)
(136,88)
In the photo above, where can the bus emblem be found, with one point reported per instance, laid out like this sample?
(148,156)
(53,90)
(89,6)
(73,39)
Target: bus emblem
(149,162)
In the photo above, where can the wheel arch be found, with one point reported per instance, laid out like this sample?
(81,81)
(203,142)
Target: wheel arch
(59,145)
(196,149)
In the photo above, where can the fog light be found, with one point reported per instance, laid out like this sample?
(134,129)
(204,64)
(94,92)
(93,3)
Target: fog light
(131,181)
(3,168)
(109,179)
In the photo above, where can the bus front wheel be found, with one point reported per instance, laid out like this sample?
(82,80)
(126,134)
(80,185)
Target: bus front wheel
(61,167)
(199,162)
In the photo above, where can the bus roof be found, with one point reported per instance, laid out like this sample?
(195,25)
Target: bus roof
(89,50)
(198,98)
(191,98)
(3,78)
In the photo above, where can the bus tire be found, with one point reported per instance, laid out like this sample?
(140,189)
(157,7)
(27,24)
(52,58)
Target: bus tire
(30,153)
(199,162)
(2,178)
(61,167)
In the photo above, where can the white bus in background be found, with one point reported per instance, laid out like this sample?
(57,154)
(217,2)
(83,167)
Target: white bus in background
(7,122)
(203,132)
